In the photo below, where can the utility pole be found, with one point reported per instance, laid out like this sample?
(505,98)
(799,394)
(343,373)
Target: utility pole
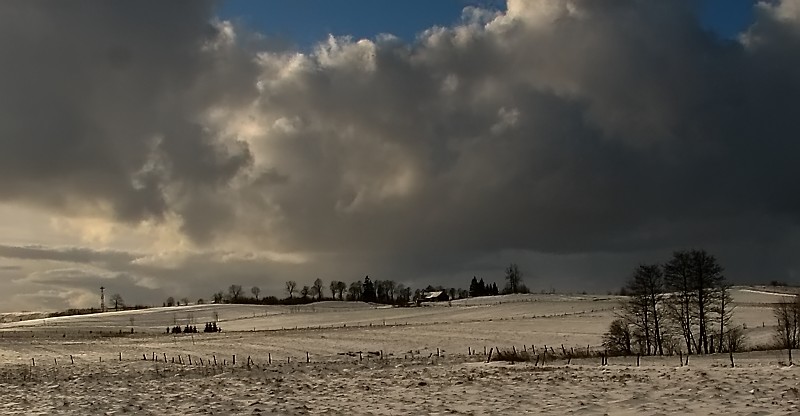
(102,299)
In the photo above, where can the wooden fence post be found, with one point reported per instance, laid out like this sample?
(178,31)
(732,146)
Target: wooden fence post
(489,358)
(71,359)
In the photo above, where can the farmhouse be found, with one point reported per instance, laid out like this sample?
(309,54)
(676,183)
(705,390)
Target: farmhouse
(438,296)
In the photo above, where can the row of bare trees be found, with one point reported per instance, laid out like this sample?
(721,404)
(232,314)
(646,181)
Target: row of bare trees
(684,304)
(367,290)
(380,291)
(307,292)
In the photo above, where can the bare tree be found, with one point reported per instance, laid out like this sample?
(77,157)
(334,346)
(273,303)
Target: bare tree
(708,280)
(513,278)
(218,297)
(185,301)
(645,307)
(355,290)
(291,285)
(401,289)
(317,288)
(234,292)
(787,333)
(170,301)
(678,279)
(341,287)
(618,338)
(390,287)
(117,300)
(695,278)
(334,284)
(255,290)
(380,291)
(723,308)
(305,291)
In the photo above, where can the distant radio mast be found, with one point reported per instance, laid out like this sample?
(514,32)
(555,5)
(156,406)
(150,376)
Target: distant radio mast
(102,299)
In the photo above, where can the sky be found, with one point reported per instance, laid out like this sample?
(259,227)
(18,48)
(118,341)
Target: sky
(301,23)
(175,148)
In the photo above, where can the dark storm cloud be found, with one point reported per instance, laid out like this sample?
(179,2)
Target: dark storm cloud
(562,127)
(576,131)
(101,102)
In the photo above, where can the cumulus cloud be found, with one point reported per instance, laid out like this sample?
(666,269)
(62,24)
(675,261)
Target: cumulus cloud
(555,130)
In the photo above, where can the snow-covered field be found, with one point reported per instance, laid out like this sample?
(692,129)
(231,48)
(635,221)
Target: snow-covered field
(364,359)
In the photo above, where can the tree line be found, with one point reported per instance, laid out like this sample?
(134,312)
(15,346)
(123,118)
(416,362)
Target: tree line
(681,305)
(367,290)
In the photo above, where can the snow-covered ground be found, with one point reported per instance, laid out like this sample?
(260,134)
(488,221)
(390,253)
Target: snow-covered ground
(365,359)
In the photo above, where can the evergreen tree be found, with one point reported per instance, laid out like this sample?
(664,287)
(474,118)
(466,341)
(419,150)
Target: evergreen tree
(473,287)
(368,294)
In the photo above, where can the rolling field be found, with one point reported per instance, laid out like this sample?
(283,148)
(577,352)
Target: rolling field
(351,357)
